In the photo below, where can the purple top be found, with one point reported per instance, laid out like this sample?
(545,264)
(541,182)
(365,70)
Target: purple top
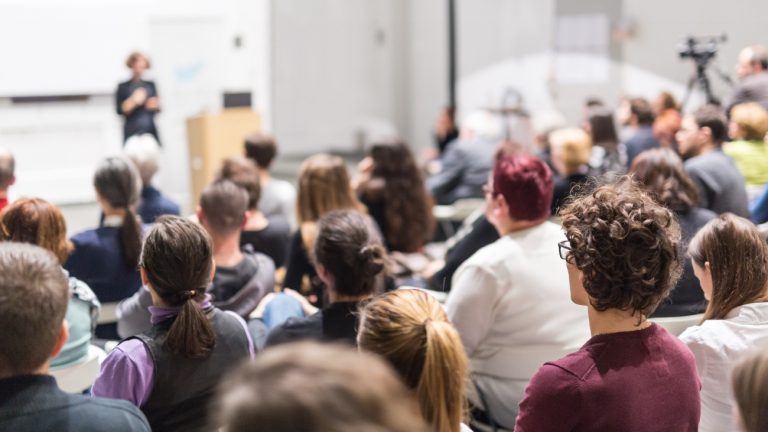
(128,372)
(642,381)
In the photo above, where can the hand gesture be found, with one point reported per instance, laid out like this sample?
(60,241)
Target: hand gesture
(139,96)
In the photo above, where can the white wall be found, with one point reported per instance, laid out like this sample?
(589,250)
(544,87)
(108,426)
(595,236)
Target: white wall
(195,60)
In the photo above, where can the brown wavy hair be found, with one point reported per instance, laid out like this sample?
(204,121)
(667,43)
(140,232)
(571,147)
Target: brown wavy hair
(738,260)
(398,185)
(411,330)
(36,221)
(626,246)
(662,174)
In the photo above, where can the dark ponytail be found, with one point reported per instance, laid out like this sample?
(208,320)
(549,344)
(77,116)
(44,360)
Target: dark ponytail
(178,260)
(350,248)
(117,181)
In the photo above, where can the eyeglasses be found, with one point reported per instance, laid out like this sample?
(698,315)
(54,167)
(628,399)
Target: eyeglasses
(564,247)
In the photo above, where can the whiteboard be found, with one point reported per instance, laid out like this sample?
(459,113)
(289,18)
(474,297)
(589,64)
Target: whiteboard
(76,47)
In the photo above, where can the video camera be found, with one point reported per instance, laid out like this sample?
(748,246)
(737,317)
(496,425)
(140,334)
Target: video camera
(700,49)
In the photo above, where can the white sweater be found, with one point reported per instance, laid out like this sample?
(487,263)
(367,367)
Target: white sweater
(511,304)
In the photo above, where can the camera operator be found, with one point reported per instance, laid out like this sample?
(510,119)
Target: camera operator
(752,68)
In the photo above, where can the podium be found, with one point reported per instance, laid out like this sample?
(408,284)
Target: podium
(212,138)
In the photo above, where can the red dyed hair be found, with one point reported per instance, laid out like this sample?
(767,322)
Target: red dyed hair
(526,184)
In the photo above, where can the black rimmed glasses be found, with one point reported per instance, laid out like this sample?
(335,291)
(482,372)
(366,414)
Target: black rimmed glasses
(565,249)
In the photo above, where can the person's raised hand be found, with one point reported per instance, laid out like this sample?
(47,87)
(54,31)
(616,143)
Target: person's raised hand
(153,103)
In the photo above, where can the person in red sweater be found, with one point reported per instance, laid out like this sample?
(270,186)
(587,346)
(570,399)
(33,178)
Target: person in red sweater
(623,259)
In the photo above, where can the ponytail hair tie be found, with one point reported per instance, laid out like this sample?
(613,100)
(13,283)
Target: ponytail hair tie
(190,293)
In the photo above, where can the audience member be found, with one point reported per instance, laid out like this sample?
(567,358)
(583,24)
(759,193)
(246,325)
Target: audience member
(269,236)
(170,371)
(543,124)
(446,130)
(144,152)
(475,233)
(278,197)
(508,301)
(721,185)
(609,155)
(640,121)
(750,391)
(7,175)
(38,222)
(467,161)
(730,258)
(35,293)
(748,127)
(390,184)
(106,258)
(348,257)
(752,68)
(571,150)
(667,119)
(324,186)
(410,329)
(310,387)
(242,277)
(632,374)
(660,172)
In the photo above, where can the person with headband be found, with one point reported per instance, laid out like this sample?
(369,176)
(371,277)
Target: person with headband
(106,258)
(170,371)
(410,329)
(730,259)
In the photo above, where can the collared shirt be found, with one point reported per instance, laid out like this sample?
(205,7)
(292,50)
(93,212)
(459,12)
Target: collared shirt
(128,372)
(112,221)
(718,345)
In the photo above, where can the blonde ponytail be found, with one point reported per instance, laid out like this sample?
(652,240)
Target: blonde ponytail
(411,330)
(441,389)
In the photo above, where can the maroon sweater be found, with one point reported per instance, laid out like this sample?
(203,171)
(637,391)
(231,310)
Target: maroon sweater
(640,381)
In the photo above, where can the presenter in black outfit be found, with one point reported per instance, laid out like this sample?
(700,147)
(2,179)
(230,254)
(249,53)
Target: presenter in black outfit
(137,99)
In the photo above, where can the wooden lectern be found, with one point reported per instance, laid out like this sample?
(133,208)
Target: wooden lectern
(213,138)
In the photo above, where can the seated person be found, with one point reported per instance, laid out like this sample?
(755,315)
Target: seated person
(38,222)
(509,301)
(278,197)
(7,175)
(35,293)
(269,236)
(721,185)
(324,186)
(730,258)
(639,120)
(476,232)
(170,371)
(467,161)
(242,277)
(106,258)
(391,186)
(571,149)
(660,172)
(144,152)
(348,257)
(632,375)
(750,390)
(747,128)
(310,387)
(410,329)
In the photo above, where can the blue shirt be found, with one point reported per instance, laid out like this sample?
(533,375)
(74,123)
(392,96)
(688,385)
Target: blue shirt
(153,205)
